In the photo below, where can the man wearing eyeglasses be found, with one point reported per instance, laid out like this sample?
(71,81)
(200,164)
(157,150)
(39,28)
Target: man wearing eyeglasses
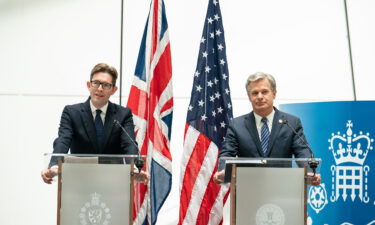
(88,128)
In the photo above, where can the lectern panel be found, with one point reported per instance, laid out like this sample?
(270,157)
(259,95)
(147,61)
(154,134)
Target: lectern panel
(270,196)
(95,194)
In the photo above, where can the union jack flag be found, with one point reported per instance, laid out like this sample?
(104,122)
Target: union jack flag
(151,101)
(209,112)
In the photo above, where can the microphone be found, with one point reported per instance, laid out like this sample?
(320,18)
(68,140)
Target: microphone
(139,162)
(312,162)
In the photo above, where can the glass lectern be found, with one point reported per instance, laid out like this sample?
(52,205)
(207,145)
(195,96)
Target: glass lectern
(94,189)
(267,190)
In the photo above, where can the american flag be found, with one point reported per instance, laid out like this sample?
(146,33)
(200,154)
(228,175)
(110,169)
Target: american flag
(151,101)
(209,112)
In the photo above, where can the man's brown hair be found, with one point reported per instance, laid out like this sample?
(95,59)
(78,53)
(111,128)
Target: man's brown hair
(104,68)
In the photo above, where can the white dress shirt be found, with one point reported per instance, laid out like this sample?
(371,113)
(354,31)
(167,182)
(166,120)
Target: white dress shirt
(259,123)
(102,115)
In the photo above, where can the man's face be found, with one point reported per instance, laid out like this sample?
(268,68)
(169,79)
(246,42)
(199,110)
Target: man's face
(261,97)
(100,95)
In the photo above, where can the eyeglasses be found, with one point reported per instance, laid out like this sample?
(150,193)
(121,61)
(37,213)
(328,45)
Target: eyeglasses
(105,86)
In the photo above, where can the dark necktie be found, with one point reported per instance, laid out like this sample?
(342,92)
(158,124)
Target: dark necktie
(99,127)
(264,135)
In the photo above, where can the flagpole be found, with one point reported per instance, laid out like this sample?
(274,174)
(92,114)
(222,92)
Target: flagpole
(350,50)
(121,36)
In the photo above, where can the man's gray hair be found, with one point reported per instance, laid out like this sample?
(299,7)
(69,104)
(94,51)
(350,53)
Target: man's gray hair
(260,76)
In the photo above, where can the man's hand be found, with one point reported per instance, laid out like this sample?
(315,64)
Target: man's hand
(219,177)
(313,179)
(142,176)
(48,174)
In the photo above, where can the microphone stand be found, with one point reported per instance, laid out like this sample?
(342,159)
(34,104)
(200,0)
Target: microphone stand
(313,163)
(138,162)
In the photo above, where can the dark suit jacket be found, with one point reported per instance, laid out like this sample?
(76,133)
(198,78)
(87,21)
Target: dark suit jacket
(242,138)
(77,131)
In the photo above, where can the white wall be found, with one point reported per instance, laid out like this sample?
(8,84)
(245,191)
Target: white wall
(48,47)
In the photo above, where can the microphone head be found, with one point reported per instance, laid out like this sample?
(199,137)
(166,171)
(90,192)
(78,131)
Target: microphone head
(116,122)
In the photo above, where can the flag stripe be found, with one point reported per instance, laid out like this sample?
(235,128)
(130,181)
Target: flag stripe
(201,182)
(191,173)
(139,108)
(216,214)
(210,196)
(167,106)
(191,136)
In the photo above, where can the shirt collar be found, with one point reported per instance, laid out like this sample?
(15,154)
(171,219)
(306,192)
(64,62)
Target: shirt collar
(269,118)
(93,108)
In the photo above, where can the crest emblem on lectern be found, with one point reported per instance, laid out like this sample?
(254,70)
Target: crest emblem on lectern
(95,212)
(270,214)
(349,175)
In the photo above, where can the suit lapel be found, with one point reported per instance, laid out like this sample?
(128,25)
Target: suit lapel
(252,128)
(276,126)
(108,124)
(88,121)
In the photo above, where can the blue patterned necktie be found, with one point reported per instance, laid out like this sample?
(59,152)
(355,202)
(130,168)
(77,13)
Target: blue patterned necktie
(99,127)
(264,135)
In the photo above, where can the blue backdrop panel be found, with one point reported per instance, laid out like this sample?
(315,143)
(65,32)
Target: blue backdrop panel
(341,134)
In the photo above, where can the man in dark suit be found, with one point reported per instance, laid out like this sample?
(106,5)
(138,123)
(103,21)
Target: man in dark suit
(259,133)
(89,128)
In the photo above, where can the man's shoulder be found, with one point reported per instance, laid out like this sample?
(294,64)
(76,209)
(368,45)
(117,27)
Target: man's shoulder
(76,106)
(240,119)
(287,116)
(119,108)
